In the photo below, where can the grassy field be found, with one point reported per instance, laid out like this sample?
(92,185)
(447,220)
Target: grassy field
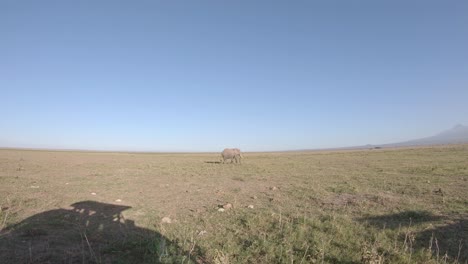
(367,206)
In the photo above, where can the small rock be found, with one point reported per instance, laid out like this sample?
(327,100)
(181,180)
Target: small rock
(274,188)
(34,186)
(166,220)
(67,183)
(221,210)
(93,193)
(118,200)
(428,181)
(250,206)
(254,197)
(201,233)
(227,206)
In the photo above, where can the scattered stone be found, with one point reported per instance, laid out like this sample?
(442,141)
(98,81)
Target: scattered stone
(227,206)
(34,186)
(166,220)
(254,197)
(118,200)
(428,181)
(67,183)
(274,188)
(221,210)
(250,206)
(201,233)
(93,193)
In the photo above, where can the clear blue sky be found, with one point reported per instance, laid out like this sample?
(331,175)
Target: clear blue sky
(204,75)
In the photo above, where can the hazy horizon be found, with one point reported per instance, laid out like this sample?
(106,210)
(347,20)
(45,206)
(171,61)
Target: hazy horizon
(390,144)
(261,75)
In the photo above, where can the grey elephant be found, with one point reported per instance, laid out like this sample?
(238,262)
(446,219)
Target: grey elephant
(233,154)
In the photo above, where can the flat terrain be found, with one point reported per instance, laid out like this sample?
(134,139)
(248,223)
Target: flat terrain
(364,206)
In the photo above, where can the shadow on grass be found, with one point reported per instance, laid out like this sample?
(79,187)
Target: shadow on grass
(213,162)
(451,234)
(90,232)
(330,259)
(397,220)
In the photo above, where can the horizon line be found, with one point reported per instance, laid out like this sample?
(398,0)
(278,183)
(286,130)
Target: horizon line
(351,148)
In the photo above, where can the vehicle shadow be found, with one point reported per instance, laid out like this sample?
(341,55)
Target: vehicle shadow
(90,232)
(451,234)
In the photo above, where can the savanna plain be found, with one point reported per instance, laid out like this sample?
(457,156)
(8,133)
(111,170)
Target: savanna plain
(407,205)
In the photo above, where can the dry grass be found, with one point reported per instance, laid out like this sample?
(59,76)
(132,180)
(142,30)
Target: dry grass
(370,206)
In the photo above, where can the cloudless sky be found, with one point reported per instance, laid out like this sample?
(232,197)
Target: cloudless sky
(204,75)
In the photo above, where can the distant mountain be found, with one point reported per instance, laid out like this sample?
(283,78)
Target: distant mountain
(456,135)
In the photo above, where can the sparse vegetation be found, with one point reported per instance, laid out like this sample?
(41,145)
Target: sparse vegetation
(364,206)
